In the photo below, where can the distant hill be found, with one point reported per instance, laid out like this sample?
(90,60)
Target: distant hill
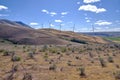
(103,34)
(22,24)
(13,23)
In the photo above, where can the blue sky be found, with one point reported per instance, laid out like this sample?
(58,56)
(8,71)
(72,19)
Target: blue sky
(104,15)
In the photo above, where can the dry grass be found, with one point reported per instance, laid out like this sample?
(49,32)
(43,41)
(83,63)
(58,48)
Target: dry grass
(66,63)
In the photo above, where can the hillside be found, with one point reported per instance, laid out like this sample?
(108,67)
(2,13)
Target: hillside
(68,35)
(27,36)
(19,34)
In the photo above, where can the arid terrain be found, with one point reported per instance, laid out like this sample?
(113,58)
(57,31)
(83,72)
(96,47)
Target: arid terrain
(57,62)
(49,54)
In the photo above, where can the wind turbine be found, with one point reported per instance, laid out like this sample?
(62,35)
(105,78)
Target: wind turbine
(42,25)
(73,27)
(60,27)
(93,28)
(50,26)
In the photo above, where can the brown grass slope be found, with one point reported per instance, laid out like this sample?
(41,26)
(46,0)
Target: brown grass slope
(68,35)
(22,35)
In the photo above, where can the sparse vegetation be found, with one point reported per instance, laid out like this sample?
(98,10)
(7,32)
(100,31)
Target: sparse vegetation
(102,62)
(110,59)
(16,58)
(53,67)
(53,61)
(82,71)
(31,55)
(117,75)
(27,76)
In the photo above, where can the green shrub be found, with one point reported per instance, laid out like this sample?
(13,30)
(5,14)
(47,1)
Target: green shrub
(110,59)
(82,71)
(63,49)
(102,62)
(2,50)
(16,58)
(31,54)
(53,67)
(117,75)
(27,76)
(46,55)
(6,53)
(45,47)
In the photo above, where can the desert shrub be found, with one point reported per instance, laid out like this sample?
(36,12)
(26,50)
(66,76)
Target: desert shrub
(102,62)
(117,75)
(82,71)
(31,55)
(53,67)
(6,53)
(27,76)
(117,66)
(2,50)
(63,49)
(16,58)
(45,47)
(69,63)
(73,50)
(114,54)
(91,55)
(53,50)
(58,52)
(46,56)
(110,59)
(14,68)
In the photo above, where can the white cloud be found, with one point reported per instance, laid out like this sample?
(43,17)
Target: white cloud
(45,11)
(34,24)
(59,21)
(2,7)
(98,28)
(91,8)
(87,20)
(91,1)
(78,2)
(102,23)
(53,13)
(64,13)
(52,25)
